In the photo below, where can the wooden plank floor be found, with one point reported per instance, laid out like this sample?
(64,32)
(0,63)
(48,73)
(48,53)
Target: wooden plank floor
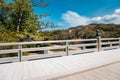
(108,72)
(57,67)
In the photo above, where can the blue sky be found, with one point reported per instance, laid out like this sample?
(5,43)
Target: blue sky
(70,13)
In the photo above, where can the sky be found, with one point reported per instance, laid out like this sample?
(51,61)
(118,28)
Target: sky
(71,13)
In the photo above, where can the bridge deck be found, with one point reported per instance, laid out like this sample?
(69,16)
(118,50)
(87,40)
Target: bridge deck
(57,67)
(107,72)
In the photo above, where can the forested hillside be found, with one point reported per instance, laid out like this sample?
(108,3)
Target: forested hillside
(89,31)
(85,32)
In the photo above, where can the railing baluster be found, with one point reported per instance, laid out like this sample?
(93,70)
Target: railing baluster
(20,52)
(111,45)
(67,48)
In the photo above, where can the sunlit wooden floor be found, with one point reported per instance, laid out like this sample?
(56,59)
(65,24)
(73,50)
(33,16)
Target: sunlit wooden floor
(108,72)
(54,68)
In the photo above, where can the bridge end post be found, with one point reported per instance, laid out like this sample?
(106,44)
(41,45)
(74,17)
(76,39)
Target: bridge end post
(98,39)
(99,43)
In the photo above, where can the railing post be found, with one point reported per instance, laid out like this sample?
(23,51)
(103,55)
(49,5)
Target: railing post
(67,48)
(20,52)
(84,47)
(45,51)
(119,42)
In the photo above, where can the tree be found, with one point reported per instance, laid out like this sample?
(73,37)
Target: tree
(3,14)
(18,15)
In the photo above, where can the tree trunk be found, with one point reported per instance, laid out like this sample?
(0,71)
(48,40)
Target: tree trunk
(19,22)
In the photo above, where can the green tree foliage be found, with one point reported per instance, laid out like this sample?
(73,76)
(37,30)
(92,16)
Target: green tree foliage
(18,16)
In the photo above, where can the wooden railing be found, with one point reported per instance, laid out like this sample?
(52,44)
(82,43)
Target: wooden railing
(58,47)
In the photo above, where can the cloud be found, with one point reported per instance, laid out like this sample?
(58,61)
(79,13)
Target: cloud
(74,19)
(117,11)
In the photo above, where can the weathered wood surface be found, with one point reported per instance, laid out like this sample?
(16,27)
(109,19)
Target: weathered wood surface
(107,72)
(56,67)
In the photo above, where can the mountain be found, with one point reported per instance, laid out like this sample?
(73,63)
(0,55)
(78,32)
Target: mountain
(89,31)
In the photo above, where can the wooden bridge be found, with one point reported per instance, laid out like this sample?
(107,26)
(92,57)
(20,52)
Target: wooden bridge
(74,56)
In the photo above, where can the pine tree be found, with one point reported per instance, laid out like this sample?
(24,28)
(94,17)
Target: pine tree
(18,15)
(22,16)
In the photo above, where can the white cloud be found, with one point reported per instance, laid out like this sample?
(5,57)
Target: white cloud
(74,19)
(117,11)
(96,19)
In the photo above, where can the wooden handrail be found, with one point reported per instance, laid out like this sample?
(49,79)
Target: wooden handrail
(66,45)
